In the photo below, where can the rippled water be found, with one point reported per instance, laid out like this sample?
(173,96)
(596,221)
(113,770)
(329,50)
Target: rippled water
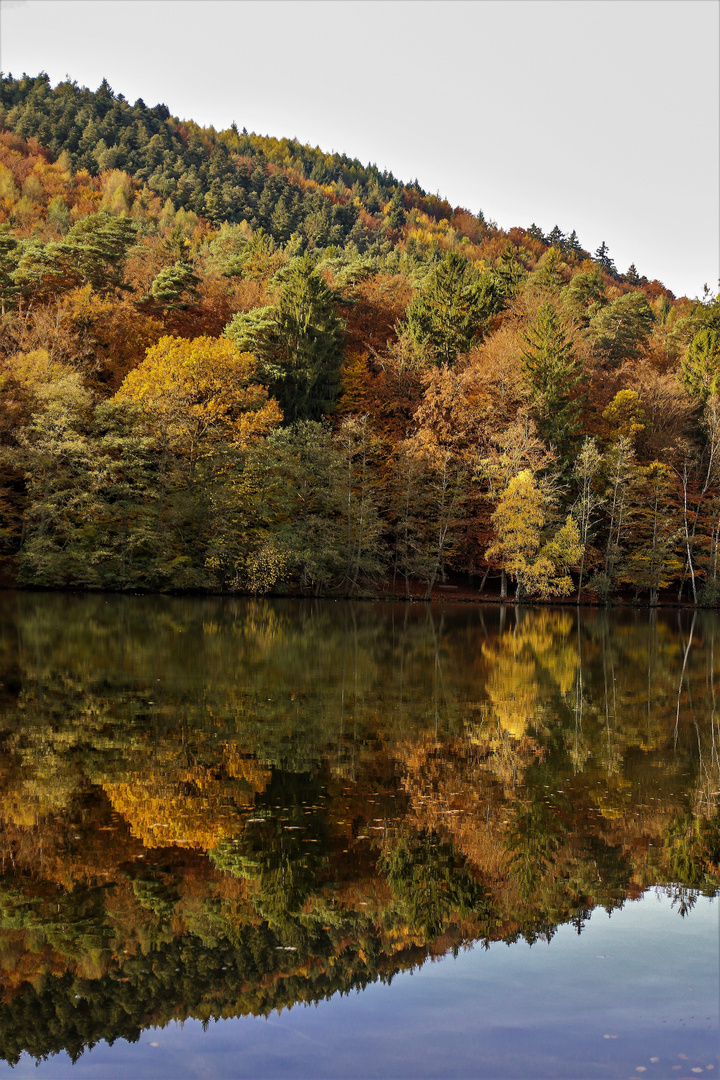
(473,840)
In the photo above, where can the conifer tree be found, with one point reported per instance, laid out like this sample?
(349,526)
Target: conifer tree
(620,331)
(700,370)
(447,314)
(175,285)
(297,343)
(555,374)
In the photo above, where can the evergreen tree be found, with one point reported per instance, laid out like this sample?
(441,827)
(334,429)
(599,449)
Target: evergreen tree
(297,344)
(584,296)
(450,310)
(556,237)
(509,270)
(602,256)
(174,285)
(621,330)
(308,345)
(700,370)
(396,211)
(555,374)
(10,250)
(97,246)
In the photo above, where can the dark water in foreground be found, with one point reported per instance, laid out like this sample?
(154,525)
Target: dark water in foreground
(473,841)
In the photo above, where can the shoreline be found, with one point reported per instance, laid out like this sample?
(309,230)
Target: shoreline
(447,594)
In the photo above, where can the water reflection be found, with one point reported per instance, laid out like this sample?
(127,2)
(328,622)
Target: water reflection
(221,807)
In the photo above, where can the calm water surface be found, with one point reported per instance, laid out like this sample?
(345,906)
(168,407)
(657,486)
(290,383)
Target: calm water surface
(257,838)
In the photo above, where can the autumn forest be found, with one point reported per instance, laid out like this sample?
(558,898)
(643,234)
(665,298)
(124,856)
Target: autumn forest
(233,363)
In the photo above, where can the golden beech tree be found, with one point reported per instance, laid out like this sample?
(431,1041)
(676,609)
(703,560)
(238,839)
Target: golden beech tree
(201,390)
(518,519)
(541,570)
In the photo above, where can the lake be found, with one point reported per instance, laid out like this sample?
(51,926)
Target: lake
(315,839)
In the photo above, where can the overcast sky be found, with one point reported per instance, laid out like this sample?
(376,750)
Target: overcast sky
(597,115)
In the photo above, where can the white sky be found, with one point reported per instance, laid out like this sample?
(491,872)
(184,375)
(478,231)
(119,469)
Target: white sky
(597,115)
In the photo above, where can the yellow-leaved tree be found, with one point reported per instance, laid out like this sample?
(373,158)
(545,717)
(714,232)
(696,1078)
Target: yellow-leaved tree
(208,417)
(539,569)
(200,391)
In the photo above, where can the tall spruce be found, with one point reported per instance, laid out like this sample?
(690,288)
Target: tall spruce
(555,373)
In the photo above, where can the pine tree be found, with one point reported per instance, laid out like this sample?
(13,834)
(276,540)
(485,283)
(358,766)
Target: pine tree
(97,246)
(620,331)
(174,286)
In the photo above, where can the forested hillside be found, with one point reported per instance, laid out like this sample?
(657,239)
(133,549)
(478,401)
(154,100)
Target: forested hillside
(234,363)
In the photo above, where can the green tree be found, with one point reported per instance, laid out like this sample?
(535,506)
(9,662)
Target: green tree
(548,274)
(97,246)
(451,308)
(90,478)
(584,296)
(10,250)
(602,257)
(700,370)
(396,211)
(174,286)
(313,532)
(555,374)
(621,330)
(431,880)
(297,344)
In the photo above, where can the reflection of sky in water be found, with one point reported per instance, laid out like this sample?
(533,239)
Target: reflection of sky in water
(645,977)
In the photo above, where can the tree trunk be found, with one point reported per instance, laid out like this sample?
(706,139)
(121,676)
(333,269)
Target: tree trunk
(580,578)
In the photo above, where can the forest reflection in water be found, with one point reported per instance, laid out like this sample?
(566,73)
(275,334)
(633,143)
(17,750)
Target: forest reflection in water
(214,808)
